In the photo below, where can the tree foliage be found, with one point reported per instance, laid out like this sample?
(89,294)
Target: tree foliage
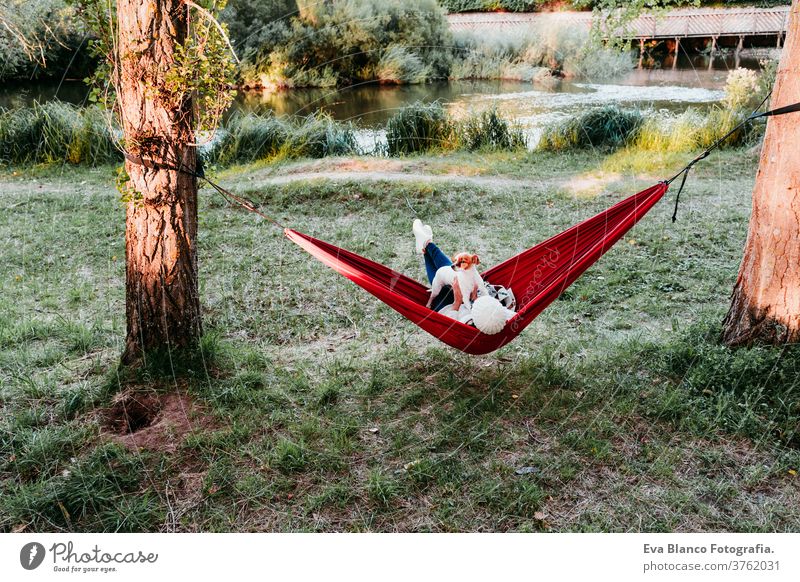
(347,42)
(203,69)
(41,39)
(257,23)
(493,5)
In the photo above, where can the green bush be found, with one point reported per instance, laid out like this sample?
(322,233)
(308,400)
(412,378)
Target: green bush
(353,41)
(493,5)
(55,38)
(534,54)
(319,135)
(253,24)
(418,128)
(247,138)
(251,137)
(605,127)
(56,132)
(490,131)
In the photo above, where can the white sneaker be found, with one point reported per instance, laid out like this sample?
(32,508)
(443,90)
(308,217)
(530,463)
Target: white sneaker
(423,234)
(419,234)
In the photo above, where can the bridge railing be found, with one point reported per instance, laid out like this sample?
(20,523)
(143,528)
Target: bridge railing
(718,23)
(677,23)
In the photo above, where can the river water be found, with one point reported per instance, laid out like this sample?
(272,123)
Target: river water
(696,82)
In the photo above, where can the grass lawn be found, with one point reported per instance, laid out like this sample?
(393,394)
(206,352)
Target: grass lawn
(316,408)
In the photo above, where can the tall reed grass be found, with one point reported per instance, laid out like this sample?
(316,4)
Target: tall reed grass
(498,55)
(605,127)
(489,131)
(251,137)
(319,135)
(400,66)
(614,127)
(56,132)
(693,130)
(534,54)
(247,138)
(423,127)
(419,127)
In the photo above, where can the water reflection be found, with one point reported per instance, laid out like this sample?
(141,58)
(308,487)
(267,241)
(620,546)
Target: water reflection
(370,105)
(25,94)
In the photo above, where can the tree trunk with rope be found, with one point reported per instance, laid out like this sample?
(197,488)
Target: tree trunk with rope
(765,304)
(161,294)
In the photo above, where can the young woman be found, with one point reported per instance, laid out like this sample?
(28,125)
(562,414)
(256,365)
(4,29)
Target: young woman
(454,284)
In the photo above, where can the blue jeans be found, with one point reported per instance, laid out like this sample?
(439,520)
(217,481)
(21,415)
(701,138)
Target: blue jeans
(435,259)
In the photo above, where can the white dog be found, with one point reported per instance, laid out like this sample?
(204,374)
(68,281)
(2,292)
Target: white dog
(463,277)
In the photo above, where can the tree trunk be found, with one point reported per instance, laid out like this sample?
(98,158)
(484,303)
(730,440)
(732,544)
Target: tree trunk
(161,296)
(765,303)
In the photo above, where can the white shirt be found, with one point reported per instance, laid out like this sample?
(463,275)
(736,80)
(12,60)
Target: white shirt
(464,314)
(467,280)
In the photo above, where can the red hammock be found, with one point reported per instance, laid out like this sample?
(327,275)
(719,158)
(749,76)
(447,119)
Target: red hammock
(537,276)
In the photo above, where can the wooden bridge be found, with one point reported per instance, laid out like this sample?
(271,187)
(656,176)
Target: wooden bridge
(738,25)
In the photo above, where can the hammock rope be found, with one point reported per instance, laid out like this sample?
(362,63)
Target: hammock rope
(755,115)
(199,173)
(538,275)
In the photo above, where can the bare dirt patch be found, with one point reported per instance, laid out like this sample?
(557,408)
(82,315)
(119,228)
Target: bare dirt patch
(381,176)
(345,165)
(590,184)
(348,169)
(158,422)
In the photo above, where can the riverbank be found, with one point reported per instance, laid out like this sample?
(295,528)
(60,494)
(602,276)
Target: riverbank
(57,132)
(324,410)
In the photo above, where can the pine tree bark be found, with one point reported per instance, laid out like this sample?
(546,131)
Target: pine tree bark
(765,305)
(162,299)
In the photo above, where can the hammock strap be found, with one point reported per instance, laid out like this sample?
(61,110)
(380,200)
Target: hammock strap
(779,111)
(678,195)
(755,115)
(199,173)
